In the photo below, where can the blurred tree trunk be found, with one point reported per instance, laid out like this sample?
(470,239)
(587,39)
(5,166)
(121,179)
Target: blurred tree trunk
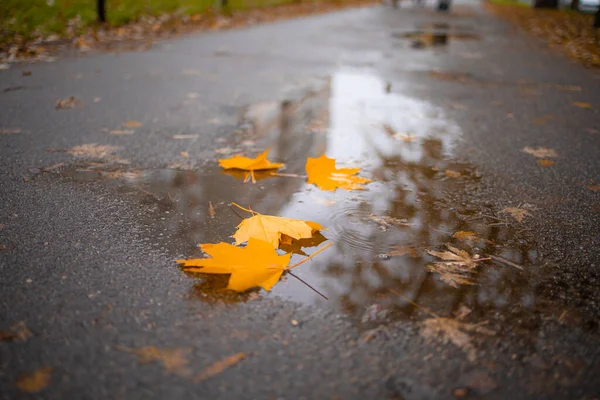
(101,10)
(575,5)
(545,4)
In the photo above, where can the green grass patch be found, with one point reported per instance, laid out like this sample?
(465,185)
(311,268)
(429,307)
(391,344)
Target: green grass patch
(32,18)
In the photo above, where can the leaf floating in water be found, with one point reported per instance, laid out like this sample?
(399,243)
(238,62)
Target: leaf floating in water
(259,163)
(257,264)
(581,104)
(448,330)
(323,173)
(131,124)
(220,366)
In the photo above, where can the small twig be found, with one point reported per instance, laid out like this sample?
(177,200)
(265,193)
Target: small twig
(439,231)
(303,281)
(235,212)
(252,175)
(309,257)
(507,262)
(499,223)
(428,311)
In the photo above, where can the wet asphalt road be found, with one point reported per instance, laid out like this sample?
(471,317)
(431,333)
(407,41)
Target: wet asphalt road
(88,247)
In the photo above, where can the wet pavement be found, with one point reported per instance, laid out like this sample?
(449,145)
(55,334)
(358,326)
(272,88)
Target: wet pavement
(446,113)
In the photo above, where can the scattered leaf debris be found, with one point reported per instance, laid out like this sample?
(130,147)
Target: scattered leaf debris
(35,381)
(518,213)
(132,124)
(401,250)
(581,104)
(93,150)
(546,163)
(449,330)
(219,366)
(452,174)
(8,131)
(17,333)
(172,360)
(211,210)
(69,102)
(594,188)
(540,152)
(457,266)
(121,132)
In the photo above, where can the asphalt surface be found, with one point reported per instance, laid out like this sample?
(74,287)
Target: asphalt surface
(88,246)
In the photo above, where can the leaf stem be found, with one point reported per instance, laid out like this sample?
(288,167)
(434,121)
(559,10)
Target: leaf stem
(303,281)
(309,257)
(242,208)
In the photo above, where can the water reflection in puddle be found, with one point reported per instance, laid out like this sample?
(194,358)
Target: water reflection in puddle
(437,37)
(419,200)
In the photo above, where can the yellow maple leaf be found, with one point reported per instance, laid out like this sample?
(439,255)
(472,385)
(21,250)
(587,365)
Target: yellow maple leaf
(257,264)
(323,173)
(259,163)
(269,228)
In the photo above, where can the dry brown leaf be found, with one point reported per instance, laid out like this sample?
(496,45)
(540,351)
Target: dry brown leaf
(183,137)
(69,102)
(18,333)
(448,330)
(132,124)
(594,188)
(540,152)
(173,360)
(398,251)
(211,210)
(545,163)
(466,235)
(581,104)
(93,150)
(184,154)
(517,213)
(219,366)
(452,174)
(456,268)
(7,131)
(121,132)
(35,381)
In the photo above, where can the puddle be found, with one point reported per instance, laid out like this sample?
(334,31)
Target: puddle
(420,199)
(435,37)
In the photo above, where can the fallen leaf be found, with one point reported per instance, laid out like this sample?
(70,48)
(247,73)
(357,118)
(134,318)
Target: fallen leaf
(456,267)
(18,333)
(184,154)
(122,132)
(594,188)
(452,174)
(35,381)
(540,152)
(385,221)
(5,131)
(219,366)
(269,228)
(69,102)
(449,330)
(257,264)
(517,213)
(189,136)
(258,163)
(211,210)
(569,88)
(173,360)
(323,173)
(545,163)
(581,104)
(131,124)
(465,235)
(401,251)
(93,150)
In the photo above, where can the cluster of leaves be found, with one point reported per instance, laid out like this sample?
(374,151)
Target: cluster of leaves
(569,32)
(34,29)
(258,264)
